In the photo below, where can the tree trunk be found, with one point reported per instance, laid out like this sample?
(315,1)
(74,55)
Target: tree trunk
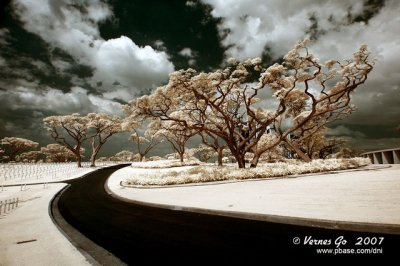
(299,152)
(220,153)
(79,159)
(141,157)
(95,151)
(181,156)
(254,161)
(12,156)
(240,160)
(93,160)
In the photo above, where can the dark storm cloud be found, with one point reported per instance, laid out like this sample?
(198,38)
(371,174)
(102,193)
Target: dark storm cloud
(174,24)
(58,58)
(270,28)
(54,60)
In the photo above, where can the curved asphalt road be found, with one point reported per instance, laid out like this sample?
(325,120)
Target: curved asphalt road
(139,234)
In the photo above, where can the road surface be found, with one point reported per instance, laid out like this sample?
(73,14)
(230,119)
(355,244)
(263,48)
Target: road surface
(138,233)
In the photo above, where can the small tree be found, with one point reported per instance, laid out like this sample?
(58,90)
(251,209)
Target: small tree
(69,131)
(214,142)
(175,134)
(144,145)
(30,157)
(204,152)
(2,157)
(104,126)
(15,146)
(58,153)
(122,156)
(315,144)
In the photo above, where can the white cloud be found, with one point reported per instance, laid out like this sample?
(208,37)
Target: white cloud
(374,144)
(3,62)
(344,131)
(60,64)
(160,45)
(3,36)
(278,25)
(119,93)
(76,101)
(191,3)
(187,52)
(378,100)
(190,54)
(76,32)
(274,23)
(121,60)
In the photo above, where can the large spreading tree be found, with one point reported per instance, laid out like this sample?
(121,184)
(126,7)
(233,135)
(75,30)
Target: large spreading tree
(229,104)
(69,131)
(12,146)
(103,127)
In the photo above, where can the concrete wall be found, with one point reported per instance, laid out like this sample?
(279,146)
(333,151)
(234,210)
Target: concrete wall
(391,156)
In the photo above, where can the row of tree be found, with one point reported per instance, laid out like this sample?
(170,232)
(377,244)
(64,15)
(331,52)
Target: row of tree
(21,150)
(228,109)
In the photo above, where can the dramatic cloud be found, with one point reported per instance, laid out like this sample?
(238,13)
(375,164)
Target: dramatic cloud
(62,56)
(74,29)
(190,54)
(344,131)
(249,29)
(3,36)
(122,61)
(56,101)
(337,28)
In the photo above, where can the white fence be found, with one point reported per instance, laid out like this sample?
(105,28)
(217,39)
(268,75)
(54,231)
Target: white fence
(20,173)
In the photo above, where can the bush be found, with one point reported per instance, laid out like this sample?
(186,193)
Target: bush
(213,173)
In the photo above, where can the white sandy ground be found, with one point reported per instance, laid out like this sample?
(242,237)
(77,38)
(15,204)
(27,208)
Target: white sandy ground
(30,221)
(351,196)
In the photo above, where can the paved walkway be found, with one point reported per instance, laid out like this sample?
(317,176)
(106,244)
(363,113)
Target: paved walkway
(371,196)
(28,235)
(31,223)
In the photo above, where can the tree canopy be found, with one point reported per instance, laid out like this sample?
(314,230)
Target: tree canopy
(230,105)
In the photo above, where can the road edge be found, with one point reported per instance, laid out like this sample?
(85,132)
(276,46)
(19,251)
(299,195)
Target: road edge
(94,254)
(392,229)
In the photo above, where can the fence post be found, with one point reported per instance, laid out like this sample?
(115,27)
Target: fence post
(1,206)
(9,201)
(17,202)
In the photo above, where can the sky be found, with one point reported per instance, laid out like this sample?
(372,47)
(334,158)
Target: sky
(60,57)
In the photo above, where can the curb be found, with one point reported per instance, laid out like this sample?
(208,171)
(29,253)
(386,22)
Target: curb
(93,253)
(393,229)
